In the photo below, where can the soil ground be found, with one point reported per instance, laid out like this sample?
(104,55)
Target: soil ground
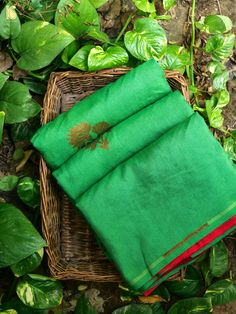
(114,15)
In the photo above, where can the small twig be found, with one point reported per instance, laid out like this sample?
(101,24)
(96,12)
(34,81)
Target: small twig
(124,28)
(192,43)
(219,7)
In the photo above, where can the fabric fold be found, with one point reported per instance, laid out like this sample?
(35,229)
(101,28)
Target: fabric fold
(59,139)
(91,164)
(160,202)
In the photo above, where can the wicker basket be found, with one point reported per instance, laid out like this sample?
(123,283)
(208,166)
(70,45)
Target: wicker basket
(72,250)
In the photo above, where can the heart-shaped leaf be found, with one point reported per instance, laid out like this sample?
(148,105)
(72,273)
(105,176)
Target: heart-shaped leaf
(220,80)
(98,35)
(147,40)
(39,292)
(9,312)
(80,59)
(176,58)
(2,118)
(41,9)
(220,46)
(8,183)
(99,59)
(214,113)
(192,305)
(221,292)
(207,275)
(70,51)
(145,5)
(219,260)
(10,25)
(39,43)
(28,191)
(168,4)
(134,309)
(84,307)
(14,225)
(18,306)
(214,24)
(77,17)
(230,147)
(17,103)
(3,79)
(189,286)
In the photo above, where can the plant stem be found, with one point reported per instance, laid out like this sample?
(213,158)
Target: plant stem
(192,43)
(124,28)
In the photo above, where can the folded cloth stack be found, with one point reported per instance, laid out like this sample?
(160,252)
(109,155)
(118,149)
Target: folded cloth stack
(146,173)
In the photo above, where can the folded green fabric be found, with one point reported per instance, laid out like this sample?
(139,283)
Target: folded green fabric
(94,161)
(60,139)
(162,200)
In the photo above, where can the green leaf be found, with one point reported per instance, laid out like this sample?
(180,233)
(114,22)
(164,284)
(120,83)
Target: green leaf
(18,154)
(10,25)
(17,103)
(145,5)
(8,183)
(157,308)
(21,132)
(9,312)
(214,113)
(134,309)
(221,292)
(2,119)
(163,292)
(84,307)
(35,86)
(176,58)
(189,286)
(42,9)
(39,292)
(168,4)
(28,264)
(99,59)
(219,260)
(3,79)
(98,3)
(230,147)
(39,43)
(20,307)
(80,59)
(28,191)
(147,40)
(98,35)
(14,225)
(215,24)
(77,17)
(69,51)
(220,80)
(205,268)
(220,46)
(192,306)
(223,98)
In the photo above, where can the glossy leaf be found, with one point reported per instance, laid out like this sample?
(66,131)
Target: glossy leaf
(145,5)
(28,191)
(230,147)
(28,264)
(98,3)
(14,225)
(70,51)
(39,292)
(17,103)
(35,85)
(219,260)
(221,292)
(147,40)
(10,25)
(8,183)
(220,46)
(176,58)
(3,79)
(206,272)
(163,292)
(9,312)
(134,309)
(189,286)
(80,59)
(192,306)
(168,4)
(20,307)
(223,98)
(99,59)
(215,24)
(39,43)
(22,132)
(76,17)
(214,113)
(42,9)
(2,119)
(96,34)
(84,307)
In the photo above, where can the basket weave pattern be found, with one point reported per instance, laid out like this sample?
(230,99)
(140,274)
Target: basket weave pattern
(72,249)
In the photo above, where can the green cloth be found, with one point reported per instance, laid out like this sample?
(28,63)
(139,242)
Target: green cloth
(158,203)
(61,138)
(92,163)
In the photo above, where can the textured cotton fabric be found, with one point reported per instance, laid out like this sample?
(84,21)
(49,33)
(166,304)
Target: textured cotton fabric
(161,201)
(57,141)
(91,164)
